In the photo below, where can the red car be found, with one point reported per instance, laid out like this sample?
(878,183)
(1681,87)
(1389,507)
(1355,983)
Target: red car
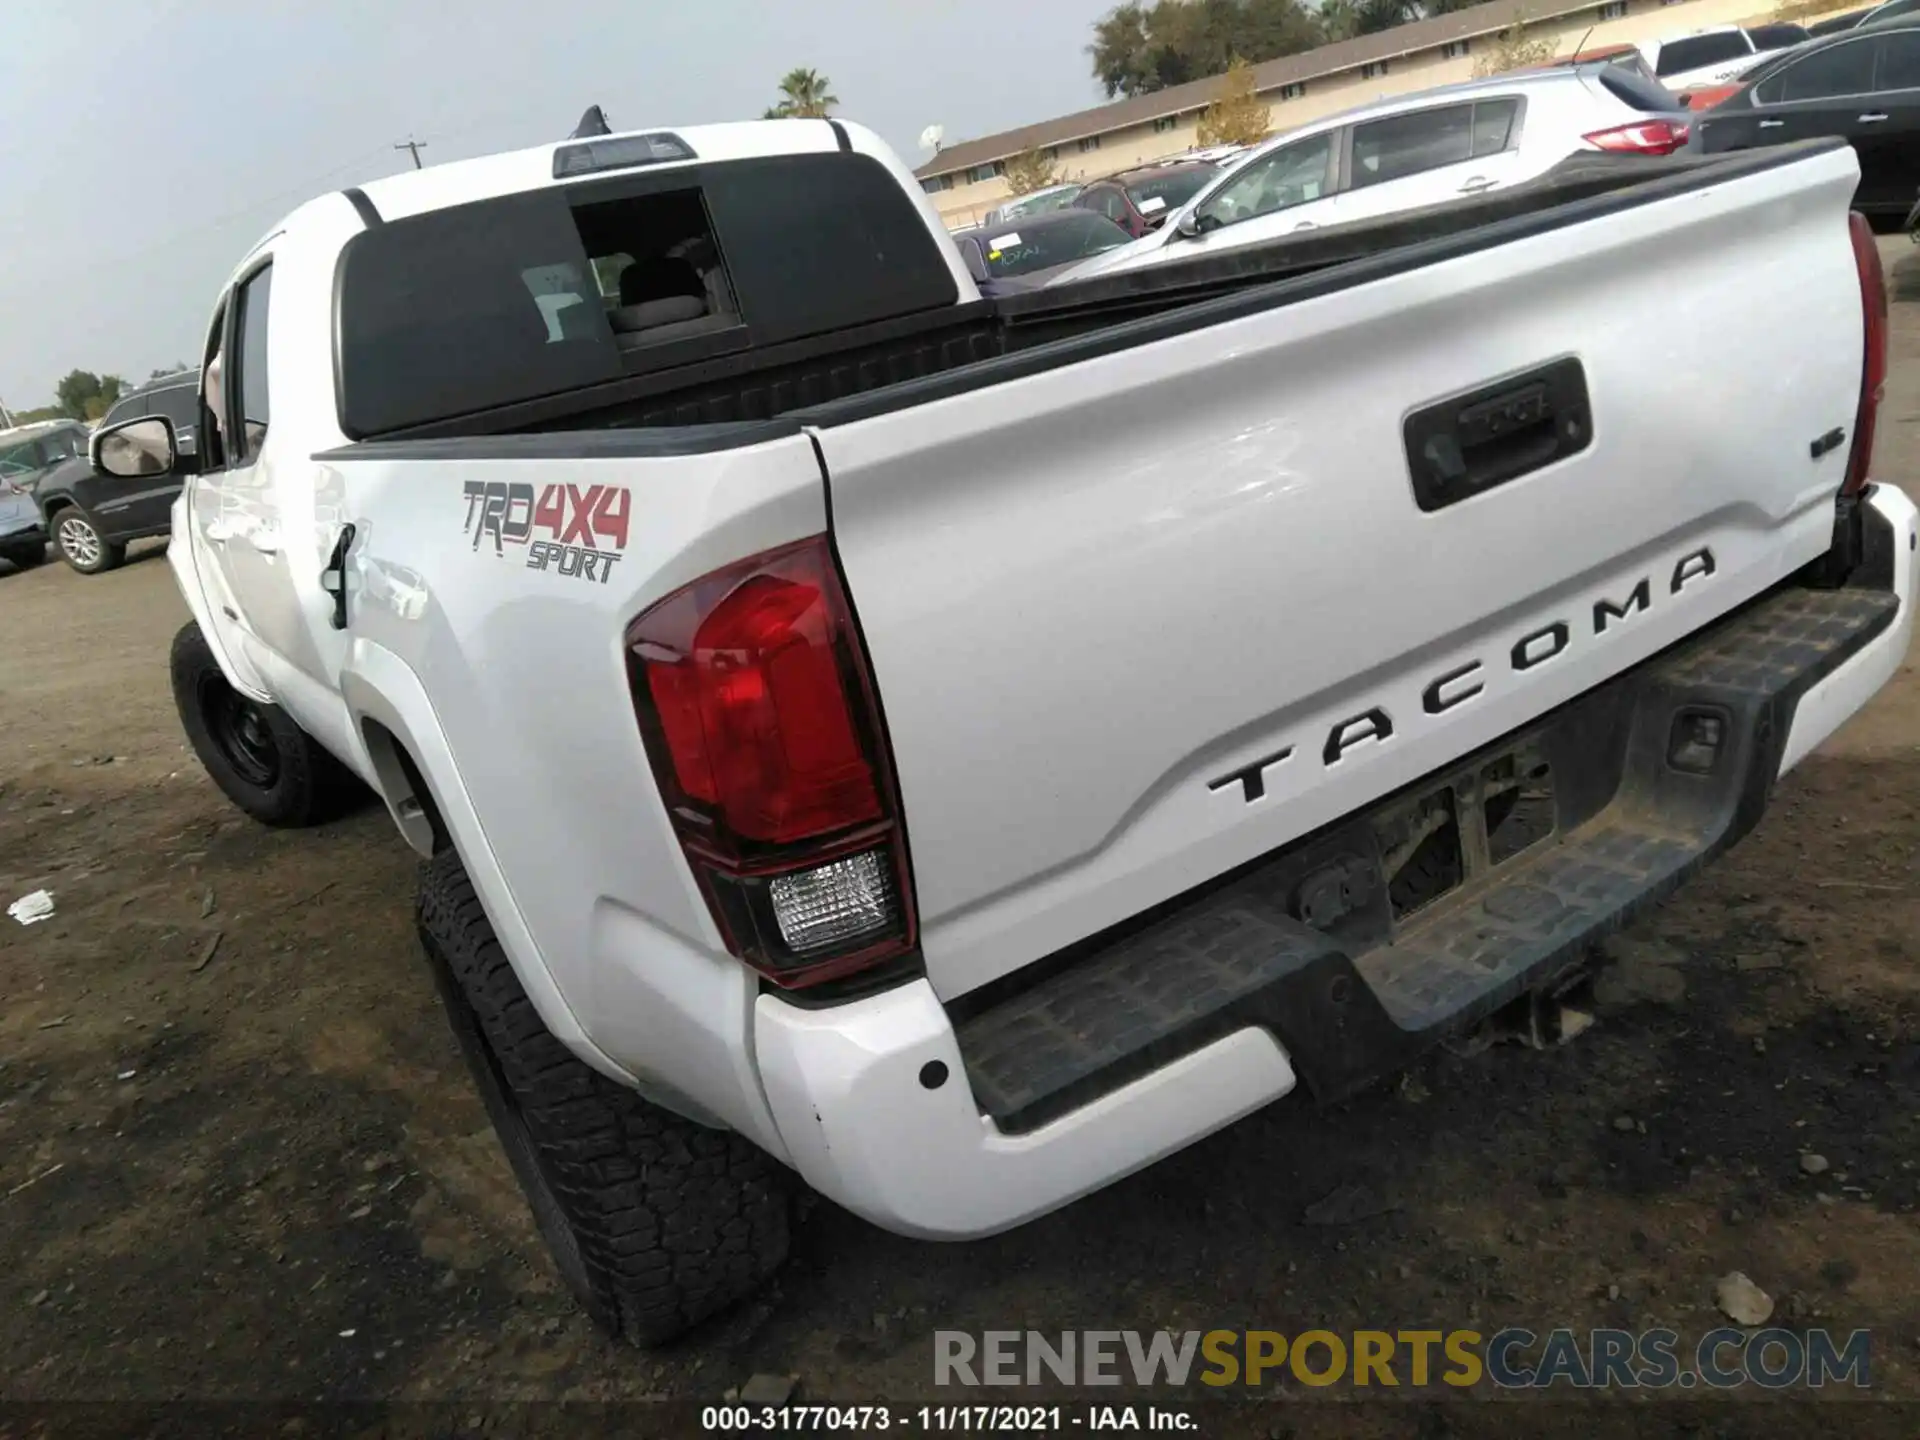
(1140,200)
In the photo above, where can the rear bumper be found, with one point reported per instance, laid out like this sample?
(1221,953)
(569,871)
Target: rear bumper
(1093,1064)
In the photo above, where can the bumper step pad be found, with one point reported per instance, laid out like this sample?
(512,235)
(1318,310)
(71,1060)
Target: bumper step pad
(1362,994)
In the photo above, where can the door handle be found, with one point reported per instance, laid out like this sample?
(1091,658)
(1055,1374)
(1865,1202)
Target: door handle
(1874,119)
(1771,124)
(1305,225)
(333,579)
(1477,184)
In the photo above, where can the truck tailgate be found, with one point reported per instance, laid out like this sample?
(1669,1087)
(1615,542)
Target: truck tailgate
(1145,611)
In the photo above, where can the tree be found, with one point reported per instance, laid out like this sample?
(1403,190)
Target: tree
(1236,116)
(1029,171)
(1138,49)
(805,95)
(1515,49)
(83,395)
(164,371)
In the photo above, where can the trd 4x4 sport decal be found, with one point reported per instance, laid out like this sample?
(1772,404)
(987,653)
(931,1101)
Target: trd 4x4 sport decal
(586,524)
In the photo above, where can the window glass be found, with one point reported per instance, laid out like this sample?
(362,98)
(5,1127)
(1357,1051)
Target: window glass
(1694,51)
(181,405)
(132,408)
(1163,194)
(1107,201)
(507,300)
(247,371)
(1899,61)
(1493,128)
(1292,175)
(62,444)
(1403,145)
(1042,241)
(1775,37)
(1840,70)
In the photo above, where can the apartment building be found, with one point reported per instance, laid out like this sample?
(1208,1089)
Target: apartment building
(967,179)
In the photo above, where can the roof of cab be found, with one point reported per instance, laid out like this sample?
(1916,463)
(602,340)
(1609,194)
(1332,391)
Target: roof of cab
(415,192)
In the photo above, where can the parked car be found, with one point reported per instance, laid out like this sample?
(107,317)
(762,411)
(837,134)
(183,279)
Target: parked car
(1411,151)
(23,538)
(93,515)
(1712,56)
(1139,201)
(1040,202)
(1279,680)
(29,452)
(1862,85)
(1023,254)
(1769,40)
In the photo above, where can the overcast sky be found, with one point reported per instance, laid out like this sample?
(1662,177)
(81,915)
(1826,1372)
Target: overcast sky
(148,143)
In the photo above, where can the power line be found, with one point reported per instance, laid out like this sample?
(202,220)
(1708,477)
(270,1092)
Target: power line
(412,147)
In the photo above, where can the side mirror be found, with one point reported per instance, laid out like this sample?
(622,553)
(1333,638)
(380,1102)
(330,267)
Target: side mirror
(1187,227)
(135,449)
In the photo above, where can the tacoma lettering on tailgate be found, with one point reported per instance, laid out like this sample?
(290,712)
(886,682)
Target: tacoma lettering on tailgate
(1454,687)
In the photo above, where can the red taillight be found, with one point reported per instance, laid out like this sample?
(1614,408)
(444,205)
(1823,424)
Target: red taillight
(1873,367)
(1643,137)
(760,720)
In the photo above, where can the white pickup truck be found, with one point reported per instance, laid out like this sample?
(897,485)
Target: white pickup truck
(959,752)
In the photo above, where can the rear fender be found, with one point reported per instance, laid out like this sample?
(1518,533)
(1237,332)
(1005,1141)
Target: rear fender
(378,686)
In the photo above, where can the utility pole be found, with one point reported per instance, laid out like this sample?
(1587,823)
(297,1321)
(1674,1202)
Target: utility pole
(412,147)
(6,420)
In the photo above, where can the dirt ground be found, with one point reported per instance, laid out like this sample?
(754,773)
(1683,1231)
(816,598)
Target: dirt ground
(239,1157)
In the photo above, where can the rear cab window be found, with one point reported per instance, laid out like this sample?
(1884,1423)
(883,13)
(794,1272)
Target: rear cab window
(1692,52)
(510,299)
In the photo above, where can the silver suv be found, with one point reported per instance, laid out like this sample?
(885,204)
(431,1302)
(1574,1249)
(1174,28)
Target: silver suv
(27,455)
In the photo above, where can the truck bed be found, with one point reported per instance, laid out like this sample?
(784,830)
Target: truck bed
(831,378)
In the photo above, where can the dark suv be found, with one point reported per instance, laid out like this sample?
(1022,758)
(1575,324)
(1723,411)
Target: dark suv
(92,515)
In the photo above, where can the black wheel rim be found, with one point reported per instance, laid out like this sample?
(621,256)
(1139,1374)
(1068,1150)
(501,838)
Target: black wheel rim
(239,727)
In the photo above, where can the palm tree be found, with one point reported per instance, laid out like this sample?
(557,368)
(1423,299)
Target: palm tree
(804,96)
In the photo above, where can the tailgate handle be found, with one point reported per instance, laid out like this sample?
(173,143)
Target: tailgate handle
(1470,444)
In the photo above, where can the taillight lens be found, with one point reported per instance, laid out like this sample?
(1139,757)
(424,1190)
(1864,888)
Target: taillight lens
(761,724)
(1873,368)
(1643,137)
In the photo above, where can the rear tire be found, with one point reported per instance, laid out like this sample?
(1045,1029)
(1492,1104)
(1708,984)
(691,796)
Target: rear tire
(654,1222)
(256,754)
(81,544)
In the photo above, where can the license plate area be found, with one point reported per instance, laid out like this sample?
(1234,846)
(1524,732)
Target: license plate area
(1463,830)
